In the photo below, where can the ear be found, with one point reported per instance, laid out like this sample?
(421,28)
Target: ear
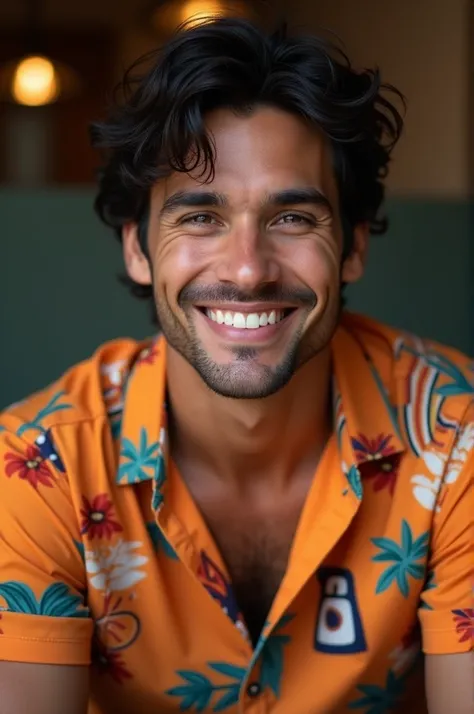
(136,262)
(354,265)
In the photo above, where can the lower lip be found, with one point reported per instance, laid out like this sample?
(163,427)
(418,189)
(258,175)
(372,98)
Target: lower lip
(246,335)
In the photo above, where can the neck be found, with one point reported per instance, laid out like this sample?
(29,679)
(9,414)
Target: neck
(240,440)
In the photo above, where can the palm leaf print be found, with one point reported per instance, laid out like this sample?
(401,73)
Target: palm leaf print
(404,558)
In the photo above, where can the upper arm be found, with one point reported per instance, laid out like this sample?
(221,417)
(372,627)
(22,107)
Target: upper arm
(43,688)
(43,617)
(447,607)
(450,683)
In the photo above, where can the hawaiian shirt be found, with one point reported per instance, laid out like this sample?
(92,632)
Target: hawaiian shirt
(105,559)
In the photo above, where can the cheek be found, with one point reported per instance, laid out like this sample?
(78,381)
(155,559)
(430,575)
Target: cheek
(316,264)
(176,263)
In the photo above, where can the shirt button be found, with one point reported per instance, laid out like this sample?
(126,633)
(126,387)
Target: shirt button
(254,689)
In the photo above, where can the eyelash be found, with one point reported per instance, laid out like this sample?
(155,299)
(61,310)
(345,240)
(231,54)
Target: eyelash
(301,219)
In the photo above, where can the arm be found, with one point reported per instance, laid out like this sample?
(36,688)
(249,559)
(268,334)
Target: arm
(43,688)
(447,612)
(45,628)
(450,683)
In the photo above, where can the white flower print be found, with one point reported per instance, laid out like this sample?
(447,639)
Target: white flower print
(115,567)
(458,457)
(435,462)
(445,469)
(426,491)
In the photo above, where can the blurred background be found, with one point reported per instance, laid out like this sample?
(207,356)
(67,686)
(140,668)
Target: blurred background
(59,61)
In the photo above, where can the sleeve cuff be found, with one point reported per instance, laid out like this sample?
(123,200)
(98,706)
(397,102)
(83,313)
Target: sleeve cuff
(45,640)
(446,632)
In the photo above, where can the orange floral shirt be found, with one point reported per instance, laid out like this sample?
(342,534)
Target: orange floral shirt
(105,558)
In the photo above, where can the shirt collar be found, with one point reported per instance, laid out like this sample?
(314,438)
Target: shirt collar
(365,419)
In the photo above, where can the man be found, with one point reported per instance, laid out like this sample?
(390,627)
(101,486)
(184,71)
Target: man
(253,512)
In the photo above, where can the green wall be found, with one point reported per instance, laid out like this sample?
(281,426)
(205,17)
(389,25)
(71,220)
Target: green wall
(60,296)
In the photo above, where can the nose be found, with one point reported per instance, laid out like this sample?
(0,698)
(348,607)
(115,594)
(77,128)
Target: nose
(248,259)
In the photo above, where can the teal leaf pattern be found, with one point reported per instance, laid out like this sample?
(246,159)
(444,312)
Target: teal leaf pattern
(54,405)
(460,383)
(199,692)
(81,549)
(56,600)
(404,557)
(159,541)
(379,700)
(353,476)
(272,656)
(137,461)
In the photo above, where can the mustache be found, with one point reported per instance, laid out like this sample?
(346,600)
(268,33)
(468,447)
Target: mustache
(193,294)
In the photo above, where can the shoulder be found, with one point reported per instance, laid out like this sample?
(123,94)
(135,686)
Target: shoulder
(91,389)
(430,384)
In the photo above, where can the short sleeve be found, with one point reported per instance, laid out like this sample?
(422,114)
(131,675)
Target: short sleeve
(43,617)
(447,609)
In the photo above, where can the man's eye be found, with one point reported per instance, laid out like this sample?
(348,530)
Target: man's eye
(200,219)
(294,219)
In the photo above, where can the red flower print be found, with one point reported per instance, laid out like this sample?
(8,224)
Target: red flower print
(97,517)
(383,472)
(464,620)
(110,663)
(30,467)
(148,355)
(369,449)
(377,460)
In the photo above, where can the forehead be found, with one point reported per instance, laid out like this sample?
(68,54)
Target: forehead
(265,151)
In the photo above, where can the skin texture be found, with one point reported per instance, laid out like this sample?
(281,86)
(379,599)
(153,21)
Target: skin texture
(43,688)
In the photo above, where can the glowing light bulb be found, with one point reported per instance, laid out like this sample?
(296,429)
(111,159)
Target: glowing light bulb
(197,12)
(35,82)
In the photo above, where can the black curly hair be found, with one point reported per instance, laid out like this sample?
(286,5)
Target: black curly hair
(233,63)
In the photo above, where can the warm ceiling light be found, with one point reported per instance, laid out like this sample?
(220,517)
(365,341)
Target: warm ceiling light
(167,15)
(197,12)
(35,82)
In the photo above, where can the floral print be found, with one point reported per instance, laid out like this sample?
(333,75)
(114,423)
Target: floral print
(123,534)
(55,601)
(98,517)
(116,567)
(138,461)
(464,621)
(404,557)
(29,467)
(110,663)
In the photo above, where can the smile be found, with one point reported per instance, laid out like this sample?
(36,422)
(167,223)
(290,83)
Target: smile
(249,324)
(242,321)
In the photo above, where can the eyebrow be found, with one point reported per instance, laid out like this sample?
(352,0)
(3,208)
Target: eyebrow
(286,197)
(299,196)
(192,199)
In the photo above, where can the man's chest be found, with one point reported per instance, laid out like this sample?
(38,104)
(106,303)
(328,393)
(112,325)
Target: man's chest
(255,550)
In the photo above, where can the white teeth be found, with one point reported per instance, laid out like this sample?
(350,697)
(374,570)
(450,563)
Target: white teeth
(251,321)
(239,320)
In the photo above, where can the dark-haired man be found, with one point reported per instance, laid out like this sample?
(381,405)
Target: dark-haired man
(269,507)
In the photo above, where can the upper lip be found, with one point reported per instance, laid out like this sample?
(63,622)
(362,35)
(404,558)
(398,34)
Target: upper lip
(247,308)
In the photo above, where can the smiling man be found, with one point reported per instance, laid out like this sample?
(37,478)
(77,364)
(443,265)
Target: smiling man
(268,507)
